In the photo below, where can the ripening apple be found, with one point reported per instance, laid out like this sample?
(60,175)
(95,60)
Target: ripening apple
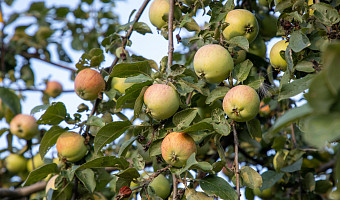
(15,163)
(88,84)
(177,147)
(71,146)
(213,63)
(241,23)
(162,101)
(275,57)
(258,47)
(119,84)
(24,126)
(158,9)
(161,186)
(53,88)
(38,162)
(241,103)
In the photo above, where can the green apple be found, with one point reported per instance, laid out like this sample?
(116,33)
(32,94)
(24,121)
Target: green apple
(275,57)
(241,103)
(241,23)
(120,50)
(177,147)
(258,47)
(213,63)
(24,126)
(71,146)
(15,163)
(88,84)
(264,194)
(53,89)
(158,9)
(119,84)
(38,162)
(162,101)
(161,186)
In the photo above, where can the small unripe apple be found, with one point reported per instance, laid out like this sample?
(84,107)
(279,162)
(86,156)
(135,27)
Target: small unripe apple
(119,52)
(258,47)
(158,9)
(177,147)
(161,186)
(88,84)
(38,162)
(71,146)
(119,84)
(53,88)
(213,63)
(162,101)
(241,103)
(15,163)
(241,23)
(275,57)
(24,126)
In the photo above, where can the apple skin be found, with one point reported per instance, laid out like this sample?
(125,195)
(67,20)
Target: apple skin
(24,126)
(177,147)
(241,103)
(38,162)
(53,88)
(71,146)
(15,163)
(161,186)
(275,58)
(265,194)
(258,47)
(241,23)
(88,84)
(119,84)
(158,9)
(213,63)
(162,101)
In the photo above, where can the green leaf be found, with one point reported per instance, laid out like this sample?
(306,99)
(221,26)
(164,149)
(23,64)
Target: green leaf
(184,118)
(326,14)
(39,108)
(95,121)
(9,98)
(250,177)
(49,139)
(217,93)
(295,87)
(155,148)
(270,178)
(305,66)
(139,103)
(220,123)
(141,28)
(296,166)
(40,173)
(125,146)
(309,182)
(240,41)
(132,93)
(86,176)
(105,161)
(214,185)
(242,70)
(282,5)
(138,79)
(254,129)
(200,126)
(124,70)
(193,164)
(298,41)
(109,133)
(129,173)
(54,114)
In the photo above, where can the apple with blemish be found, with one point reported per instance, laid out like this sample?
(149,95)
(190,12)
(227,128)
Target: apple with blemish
(24,126)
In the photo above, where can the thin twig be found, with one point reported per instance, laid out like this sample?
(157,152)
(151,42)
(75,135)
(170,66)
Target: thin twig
(189,98)
(36,90)
(3,69)
(128,34)
(293,135)
(174,180)
(170,33)
(75,189)
(236,161)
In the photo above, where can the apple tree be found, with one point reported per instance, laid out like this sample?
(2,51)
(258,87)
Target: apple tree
(216,119)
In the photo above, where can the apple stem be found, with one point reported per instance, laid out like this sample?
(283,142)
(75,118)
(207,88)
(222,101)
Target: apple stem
(237,173)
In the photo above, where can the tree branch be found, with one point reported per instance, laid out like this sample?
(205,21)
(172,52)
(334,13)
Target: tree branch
(3,69)
(128,34)
(170,33)
(174,186)
(236,161)
(22,192)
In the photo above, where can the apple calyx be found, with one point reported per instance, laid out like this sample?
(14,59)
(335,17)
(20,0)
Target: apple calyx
(249,28)
(174,157)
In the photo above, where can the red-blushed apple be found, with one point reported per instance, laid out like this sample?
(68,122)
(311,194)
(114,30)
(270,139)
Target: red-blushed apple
(71,146)
(177,147)
(15,163)
(241,23)
(119,84)
(275,57)
(88,84)
(53,88)
(38,162)
(24,126)
(162,101)
(213,63)
(161,186)
(241,103)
